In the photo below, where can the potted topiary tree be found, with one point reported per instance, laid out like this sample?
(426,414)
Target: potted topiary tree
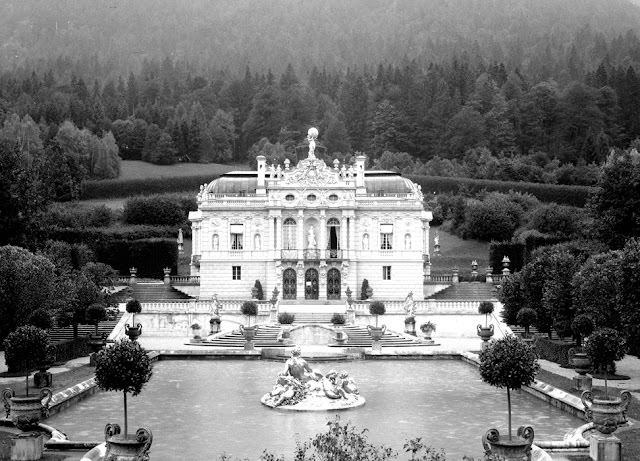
(604,347)
(376,308)
(24,349)
(509,363)
(338,320)
(525,318)
(486,332)
(286,319)
(250,309)
(134,307)
(94,314)
(582,326)
(125,367)
(427,328)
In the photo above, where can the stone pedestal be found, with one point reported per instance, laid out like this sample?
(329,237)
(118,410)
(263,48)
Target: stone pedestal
(605,447)
(582,383)
(376,346)
(43,379)
(27,447)
(249,345)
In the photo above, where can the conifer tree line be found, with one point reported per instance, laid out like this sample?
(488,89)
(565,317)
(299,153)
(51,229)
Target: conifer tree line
(438,113)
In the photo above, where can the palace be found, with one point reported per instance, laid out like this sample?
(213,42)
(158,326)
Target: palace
(311,230)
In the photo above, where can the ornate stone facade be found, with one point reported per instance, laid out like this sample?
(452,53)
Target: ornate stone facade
(311,231)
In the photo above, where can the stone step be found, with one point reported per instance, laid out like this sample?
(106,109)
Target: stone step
(65,333)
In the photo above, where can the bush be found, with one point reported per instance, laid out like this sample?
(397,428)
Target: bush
(149,256)
(556,220)
(513,250)
(70,349)
(377,308)
(427,326)
(41,318)
(364,289)
(525,318)
(25,348)
(495,218)
(604,347)
(250,309)
(259,292)
(338,319)
(286,318)
(409,320)
(124,366)
(95,313)
(485,308)
(133,306)
(553,351)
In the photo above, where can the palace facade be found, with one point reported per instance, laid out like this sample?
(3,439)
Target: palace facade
(311,230)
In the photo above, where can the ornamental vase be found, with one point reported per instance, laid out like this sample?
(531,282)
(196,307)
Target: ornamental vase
(133,332)
(131,448)
(376,332)
(517,448)
(580,361)
(96,342)
(249,333)
(26,411)
(606,414)
(410,328)
(485,333)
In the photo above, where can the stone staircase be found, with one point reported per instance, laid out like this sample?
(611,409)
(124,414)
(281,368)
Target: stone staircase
(154,291)
(266,336)
(312,317)
(105,327)
(471,291)
(358,336)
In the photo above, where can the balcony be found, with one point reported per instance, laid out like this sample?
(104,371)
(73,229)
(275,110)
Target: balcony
(310,254)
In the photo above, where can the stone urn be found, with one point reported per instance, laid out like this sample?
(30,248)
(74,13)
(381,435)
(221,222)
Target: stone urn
(96,342)
(286,331)
(485,333)
(132,448)
(376,332)
(516,449)
(133,332)
(410,328)
(606,414)
(341,337)
(26,411)
(580,361)
(249,333)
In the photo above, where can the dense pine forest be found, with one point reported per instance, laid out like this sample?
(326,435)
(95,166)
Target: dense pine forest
(512,90)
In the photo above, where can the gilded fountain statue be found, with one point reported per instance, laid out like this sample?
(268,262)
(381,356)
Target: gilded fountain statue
(299,387)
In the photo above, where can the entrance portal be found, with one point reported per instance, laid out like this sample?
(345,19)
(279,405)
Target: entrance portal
(333,284)
(289,284)
(311,284)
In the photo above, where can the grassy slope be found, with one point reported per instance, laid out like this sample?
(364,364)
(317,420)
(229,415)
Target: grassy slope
(457,252)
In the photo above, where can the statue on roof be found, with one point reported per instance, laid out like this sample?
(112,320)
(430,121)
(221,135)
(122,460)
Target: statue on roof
(312,135)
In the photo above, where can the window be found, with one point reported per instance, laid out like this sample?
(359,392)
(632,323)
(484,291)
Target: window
(386,236)
(290,197)
(333,198)
(289,234)
(311,198)
(386,272)
(236,272)
(237,231)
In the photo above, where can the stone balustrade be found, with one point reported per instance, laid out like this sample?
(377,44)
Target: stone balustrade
(424,306)
(200,306)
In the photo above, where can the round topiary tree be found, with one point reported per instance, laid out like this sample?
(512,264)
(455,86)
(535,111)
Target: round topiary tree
(377,308)
(95,314)
(133,306)
(508,363)
(24,349)
(525,318)
(250,309)
(486,308)
(41,318)
(124,367)
(582,326)
(604,347)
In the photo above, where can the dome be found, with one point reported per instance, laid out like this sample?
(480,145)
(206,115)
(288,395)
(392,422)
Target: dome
(386,182)
(235,183)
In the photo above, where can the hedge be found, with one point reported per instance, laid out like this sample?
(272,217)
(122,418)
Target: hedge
(568,195)
(515,251)
(158,209)
(118,188)
(70,349)
(96,235)
(554,351)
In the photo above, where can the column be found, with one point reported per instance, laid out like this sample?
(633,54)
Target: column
(301,244)
(322,244)
(352,237)
(343,235)
(278,233)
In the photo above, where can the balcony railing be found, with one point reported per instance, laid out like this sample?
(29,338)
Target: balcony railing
(310,254)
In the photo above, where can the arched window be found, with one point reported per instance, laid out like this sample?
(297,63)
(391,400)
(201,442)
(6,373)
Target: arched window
(289,234)
(333,237)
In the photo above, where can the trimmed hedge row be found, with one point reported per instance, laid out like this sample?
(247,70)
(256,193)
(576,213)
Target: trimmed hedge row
(95,235)
(554,351)
(518,252)
(168,209)
(70,349)
(568,195)
(118,188)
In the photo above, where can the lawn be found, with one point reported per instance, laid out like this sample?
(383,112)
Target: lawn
(455,252)
(136,169)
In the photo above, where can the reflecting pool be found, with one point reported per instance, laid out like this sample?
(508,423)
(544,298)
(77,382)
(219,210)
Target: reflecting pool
(200,409)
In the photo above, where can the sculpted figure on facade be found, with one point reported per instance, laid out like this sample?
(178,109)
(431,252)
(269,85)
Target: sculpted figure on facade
(311,243)
(365,241)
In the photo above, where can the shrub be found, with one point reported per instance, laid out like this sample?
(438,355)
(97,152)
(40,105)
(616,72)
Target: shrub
(525,318)
(428,326)
(556,220)
(286,318)
(485,308)
(513,250)
(95,313)
(508,363)
(26,347)
(41,318)
(377,308)
(259,293)
(70,349)
(495,218)
(133,306)
(125,367)
(604,347)
(365,289)
(117,188)
(553,351)
(195,326)
(250,309)
(338,319)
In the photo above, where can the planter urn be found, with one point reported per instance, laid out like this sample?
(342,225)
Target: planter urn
(516,449)
(606,414)
(133,332)
(410,328)
(427,332)
(96,342)
(341,337)
(286,331)
(485,333)
(376,332)
(26,411)
(132,448)
(580,361)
